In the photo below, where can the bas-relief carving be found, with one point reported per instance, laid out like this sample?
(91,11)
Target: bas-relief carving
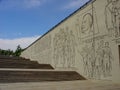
(94,38)
(97,59)
(104,59)
(93,48)
(95,52)
(88,59)
(64,48)
(87,24)
(112,18)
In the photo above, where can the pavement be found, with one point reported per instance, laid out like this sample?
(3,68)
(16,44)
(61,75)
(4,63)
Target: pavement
(62,85)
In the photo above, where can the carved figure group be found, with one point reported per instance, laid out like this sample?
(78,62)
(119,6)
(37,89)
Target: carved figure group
(64,48)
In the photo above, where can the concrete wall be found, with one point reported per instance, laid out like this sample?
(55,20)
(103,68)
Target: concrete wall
(88,42)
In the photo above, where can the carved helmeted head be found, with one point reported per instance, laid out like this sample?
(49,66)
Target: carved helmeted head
(87,23)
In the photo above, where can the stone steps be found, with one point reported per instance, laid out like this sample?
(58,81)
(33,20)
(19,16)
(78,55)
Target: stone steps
(25,65)
(12,57)
(18,62)
(7,76)
(15,70)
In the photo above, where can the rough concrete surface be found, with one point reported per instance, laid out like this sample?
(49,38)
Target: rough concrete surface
(66,85)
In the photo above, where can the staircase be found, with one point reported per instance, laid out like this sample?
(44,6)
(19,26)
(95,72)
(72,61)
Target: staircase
(17,69)
(19,62)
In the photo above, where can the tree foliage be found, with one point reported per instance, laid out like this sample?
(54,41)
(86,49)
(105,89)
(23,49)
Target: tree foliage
(18,51)
(9,52)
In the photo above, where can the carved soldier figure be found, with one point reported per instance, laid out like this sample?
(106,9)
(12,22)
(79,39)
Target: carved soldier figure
(112,15)
(107,59)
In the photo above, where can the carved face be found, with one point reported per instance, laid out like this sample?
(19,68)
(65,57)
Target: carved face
(86,23)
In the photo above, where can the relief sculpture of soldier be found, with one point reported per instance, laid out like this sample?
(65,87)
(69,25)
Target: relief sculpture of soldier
(99,59)
(97,62)
(104,60)
(71,49)
(107,59)
(64,49)
(112,17)
(87,54)
(84,54)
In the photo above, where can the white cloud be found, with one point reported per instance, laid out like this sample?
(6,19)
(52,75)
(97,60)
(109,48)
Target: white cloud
(33,3)
(13,43)
(75,4)
(21,3)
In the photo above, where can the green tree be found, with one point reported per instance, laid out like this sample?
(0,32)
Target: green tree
(6,52)
(9,52)
(18,51)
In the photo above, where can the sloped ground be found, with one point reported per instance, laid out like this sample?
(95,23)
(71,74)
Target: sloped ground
(66,85)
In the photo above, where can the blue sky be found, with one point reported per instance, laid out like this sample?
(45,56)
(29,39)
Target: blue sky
(22,20)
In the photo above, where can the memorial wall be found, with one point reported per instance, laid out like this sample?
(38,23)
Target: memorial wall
(87,41)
